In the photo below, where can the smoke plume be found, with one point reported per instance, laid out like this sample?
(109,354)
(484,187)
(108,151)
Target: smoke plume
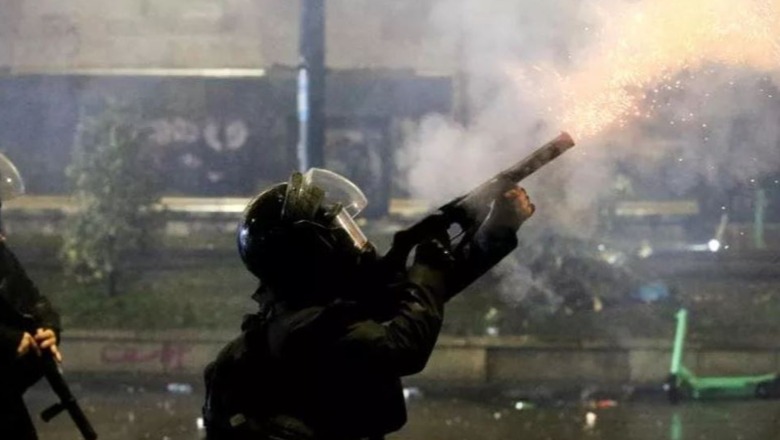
(680,91)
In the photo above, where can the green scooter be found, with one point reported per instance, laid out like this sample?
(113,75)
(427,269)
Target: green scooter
(683,383)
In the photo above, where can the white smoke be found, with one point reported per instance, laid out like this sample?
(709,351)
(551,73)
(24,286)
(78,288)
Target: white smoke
(711,115)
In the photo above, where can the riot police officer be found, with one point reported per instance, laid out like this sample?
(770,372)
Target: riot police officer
(19,348)
(335,330)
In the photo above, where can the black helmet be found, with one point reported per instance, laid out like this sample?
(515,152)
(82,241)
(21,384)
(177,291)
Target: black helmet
(300,237)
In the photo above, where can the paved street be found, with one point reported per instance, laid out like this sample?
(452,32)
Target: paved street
(135,412)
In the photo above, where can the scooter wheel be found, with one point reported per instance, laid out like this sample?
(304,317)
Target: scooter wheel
(763,390)
(673,392)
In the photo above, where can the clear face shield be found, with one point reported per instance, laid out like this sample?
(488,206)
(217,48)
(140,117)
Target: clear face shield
(11,184)
(307,192)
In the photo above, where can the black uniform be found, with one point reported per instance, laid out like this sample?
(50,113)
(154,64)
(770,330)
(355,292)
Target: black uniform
(329,372)
(324,356)
(18,293)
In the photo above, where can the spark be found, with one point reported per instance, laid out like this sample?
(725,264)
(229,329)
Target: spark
(644,47)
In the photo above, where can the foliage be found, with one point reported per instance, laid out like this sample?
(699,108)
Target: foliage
(114,189)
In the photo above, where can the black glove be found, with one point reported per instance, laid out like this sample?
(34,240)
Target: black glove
(505,212)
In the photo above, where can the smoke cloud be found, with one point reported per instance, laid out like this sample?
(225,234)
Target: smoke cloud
(682,92)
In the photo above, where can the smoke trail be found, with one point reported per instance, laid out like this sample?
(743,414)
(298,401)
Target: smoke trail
(679,93)
(643,82)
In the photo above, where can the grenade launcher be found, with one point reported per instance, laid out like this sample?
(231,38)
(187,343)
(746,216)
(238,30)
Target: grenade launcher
(470,210)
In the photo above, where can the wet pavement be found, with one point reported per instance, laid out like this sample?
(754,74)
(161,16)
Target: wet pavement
(452,419)
(159,411)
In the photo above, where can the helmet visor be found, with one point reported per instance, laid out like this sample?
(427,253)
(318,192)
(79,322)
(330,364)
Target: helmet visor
(11,184)
(339,191)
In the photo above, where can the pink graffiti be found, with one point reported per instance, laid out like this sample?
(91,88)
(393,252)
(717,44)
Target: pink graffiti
(170,355)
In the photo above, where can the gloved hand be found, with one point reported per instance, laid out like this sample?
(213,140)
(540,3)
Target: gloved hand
(512,210)
(495,238)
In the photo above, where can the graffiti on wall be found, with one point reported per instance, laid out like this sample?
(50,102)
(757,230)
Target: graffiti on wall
(204,155)
(219,136)
(170,356)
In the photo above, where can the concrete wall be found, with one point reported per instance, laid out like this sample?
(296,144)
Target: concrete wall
(472,361)
(171,352)
(75,34)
